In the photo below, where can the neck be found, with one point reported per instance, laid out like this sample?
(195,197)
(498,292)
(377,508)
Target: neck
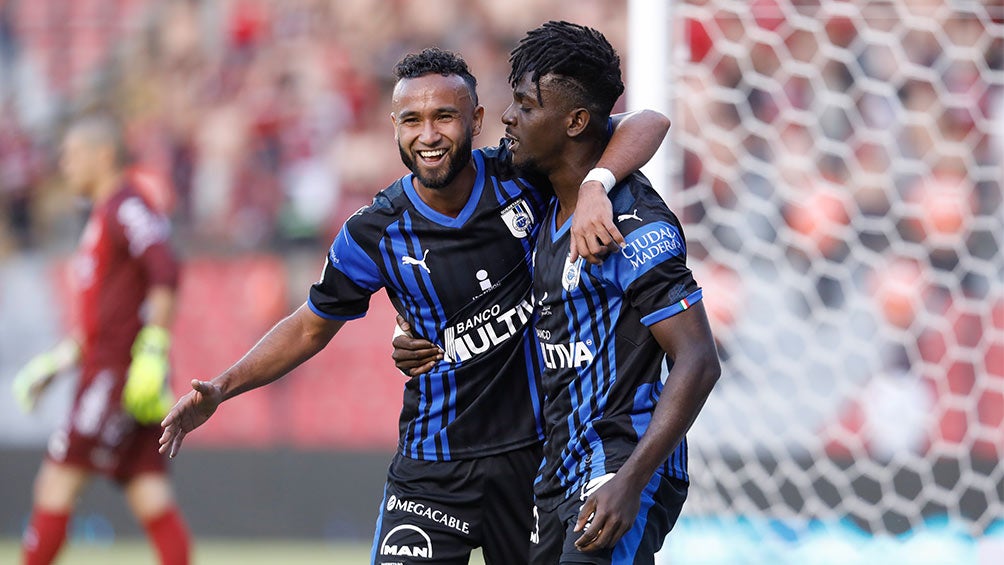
(568,175)
(105,187)
(452,198)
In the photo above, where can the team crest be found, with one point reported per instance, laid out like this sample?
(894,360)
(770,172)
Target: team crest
(570,276)
(518,217)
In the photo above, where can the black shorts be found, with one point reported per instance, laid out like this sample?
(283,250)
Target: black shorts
(438,511)
(553,534)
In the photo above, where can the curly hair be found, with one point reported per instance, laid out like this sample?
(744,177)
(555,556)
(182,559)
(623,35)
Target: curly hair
(579,58)
(433,60)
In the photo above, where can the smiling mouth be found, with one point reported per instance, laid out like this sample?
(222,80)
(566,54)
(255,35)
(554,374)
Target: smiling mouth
(431,156)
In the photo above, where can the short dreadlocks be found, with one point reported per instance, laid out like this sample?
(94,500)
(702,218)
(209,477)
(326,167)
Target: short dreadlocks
(579,58)
(433,60)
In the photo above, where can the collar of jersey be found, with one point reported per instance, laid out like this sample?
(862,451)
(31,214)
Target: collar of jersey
(557,232)
(443,219)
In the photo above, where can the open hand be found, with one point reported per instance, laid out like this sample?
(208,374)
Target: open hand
(190,412)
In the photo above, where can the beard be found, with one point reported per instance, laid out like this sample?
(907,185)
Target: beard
(523,164)
(456,160)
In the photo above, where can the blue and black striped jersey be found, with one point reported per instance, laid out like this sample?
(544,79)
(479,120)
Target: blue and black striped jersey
(604,371)
(464,284)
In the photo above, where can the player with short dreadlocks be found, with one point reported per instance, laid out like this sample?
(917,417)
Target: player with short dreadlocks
(614,475)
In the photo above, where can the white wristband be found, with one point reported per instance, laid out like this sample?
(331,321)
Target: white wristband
(603,176)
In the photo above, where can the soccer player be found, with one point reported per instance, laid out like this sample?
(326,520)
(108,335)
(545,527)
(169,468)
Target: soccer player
(124,264)
(451,245)
(614,475)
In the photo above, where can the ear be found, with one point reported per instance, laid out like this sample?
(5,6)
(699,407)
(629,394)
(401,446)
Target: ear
(479,117)
(576,122)
(393,120)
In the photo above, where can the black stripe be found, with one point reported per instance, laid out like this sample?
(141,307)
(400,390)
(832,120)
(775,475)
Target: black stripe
(394,274)
(437,322)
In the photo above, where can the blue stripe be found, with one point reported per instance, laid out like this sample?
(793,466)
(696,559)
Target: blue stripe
(558,231)
(398,288)
(627,547)
(321,314)
(670,311)
(512,189)
(350,259)
(534,367)
(684,455)
(498,193)
(437,317)
(645,398)
(409,287)
(572,458)
(601,373)
(379,524)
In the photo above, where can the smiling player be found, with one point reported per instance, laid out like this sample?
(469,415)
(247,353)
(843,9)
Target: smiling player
(451,244)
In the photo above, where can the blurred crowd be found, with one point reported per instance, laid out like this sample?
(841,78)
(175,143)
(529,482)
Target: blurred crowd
(267,121)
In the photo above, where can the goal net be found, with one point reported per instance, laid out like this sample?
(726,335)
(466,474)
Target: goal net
(838,168)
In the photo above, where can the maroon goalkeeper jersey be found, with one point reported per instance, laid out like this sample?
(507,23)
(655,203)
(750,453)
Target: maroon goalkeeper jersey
(123,252)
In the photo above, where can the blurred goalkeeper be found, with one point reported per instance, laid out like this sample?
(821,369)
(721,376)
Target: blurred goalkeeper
(124,275)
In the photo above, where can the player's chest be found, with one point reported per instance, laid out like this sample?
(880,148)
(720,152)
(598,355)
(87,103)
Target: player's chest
(486,249)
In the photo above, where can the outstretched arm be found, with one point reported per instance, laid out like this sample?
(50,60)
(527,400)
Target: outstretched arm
(291,342)
(636,138)
(687,340)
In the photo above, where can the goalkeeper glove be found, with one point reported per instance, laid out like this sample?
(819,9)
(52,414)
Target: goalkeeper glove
(33,378)
(147,396)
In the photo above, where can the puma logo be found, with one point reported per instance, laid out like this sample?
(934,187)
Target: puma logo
(412,261)
(632,216)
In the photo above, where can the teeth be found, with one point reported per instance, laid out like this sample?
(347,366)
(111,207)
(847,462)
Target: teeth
(432,154)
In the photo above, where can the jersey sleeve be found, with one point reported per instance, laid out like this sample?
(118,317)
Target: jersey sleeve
(651,271)
(348,280)
(146,234)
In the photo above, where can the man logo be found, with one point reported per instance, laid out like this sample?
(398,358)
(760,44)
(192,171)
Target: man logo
(391,502)
(423,550)
(518,217)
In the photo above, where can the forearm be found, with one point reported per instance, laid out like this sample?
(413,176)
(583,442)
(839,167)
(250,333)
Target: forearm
(160,306)
(635,140)
(291,342)
(687,389)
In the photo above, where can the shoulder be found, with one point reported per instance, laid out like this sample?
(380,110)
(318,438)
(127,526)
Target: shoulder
(636,204)
(498,163)
(129,208)
(134,218)
(387,205)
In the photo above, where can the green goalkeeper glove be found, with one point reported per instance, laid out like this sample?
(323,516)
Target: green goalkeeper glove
(147,396)
(32,380)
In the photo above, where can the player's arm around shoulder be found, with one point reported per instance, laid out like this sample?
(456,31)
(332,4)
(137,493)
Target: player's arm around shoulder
(636,138)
